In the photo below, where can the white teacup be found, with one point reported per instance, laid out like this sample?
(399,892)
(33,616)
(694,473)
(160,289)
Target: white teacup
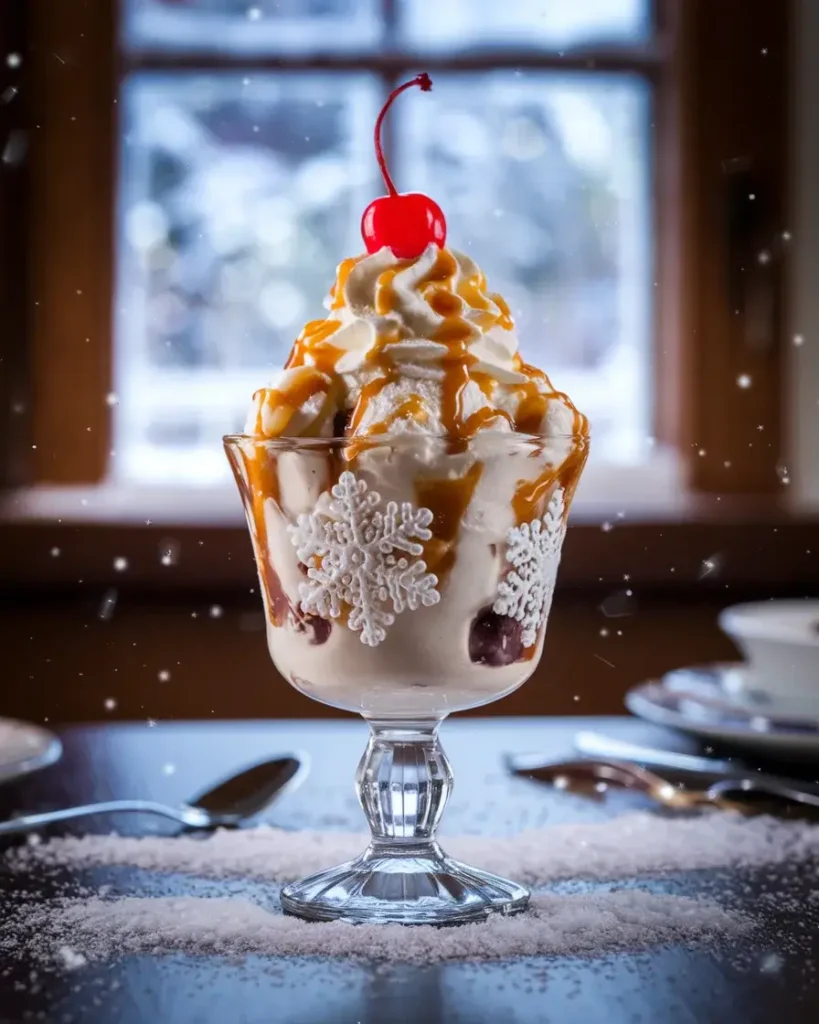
(780,643)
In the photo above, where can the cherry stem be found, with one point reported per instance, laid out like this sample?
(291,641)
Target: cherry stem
(425,84)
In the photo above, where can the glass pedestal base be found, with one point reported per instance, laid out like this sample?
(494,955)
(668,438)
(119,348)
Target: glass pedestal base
(403,782)
(413,884)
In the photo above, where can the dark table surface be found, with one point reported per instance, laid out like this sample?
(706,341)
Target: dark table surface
(672,985)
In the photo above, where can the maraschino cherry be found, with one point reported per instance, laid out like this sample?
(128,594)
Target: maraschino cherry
(407,222)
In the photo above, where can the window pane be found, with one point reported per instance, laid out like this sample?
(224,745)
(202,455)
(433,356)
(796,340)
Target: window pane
(247,26)
(554,23)
(238,197)
(544,181)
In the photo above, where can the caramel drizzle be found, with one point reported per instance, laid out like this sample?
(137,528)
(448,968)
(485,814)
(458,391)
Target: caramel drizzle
(532,405)
(533,400)
(485,381)
(385,298)
(532,497)
(448,500)
(451,299)
(455,333)
(342,275)
(411,408)
(312,337)
(445,303)
(283,403)
(258,482)
(367,394)
(485,415)
(505,320)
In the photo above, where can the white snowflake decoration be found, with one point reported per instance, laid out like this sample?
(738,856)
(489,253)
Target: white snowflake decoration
(533,551)
(349,546)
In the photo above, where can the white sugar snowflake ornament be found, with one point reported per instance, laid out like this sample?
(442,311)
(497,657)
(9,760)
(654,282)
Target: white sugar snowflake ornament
(533,552)
(352,550)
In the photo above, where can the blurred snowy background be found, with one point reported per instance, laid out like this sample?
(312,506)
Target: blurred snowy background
(240,190)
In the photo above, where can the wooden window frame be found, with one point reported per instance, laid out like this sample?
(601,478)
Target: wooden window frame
(78,290)
(709,109)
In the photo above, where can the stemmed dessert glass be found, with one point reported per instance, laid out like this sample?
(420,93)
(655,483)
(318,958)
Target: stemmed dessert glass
(404,578)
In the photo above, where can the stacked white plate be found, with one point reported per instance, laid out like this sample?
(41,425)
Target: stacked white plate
(769,703)
(24,748)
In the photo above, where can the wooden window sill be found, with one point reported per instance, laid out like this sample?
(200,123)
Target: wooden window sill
(52,539)
(651,492)
(653,488)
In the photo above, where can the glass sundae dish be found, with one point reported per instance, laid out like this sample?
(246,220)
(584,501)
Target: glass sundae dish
(406,480)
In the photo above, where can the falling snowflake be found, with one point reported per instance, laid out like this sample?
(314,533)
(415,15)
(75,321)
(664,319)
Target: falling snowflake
(349,546)
(533,551)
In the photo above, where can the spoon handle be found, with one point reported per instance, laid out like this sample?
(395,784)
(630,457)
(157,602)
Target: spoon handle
(736,776)
(763,787)
(594,744)
(191,816)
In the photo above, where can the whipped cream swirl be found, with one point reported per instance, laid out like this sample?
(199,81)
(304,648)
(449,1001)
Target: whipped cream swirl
(415,346)
(382,297)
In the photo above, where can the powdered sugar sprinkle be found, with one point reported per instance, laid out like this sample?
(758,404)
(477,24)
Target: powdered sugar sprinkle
(589,923)
(624,847)
(596,921)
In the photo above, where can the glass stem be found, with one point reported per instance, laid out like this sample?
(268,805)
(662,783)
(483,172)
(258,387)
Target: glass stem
(404,780)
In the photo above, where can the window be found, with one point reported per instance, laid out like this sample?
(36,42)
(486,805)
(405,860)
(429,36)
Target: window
(246,160)
(237,195)
(214,157)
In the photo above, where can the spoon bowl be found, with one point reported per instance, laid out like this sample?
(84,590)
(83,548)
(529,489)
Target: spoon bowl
(228,804)
(245,795)
(570,774)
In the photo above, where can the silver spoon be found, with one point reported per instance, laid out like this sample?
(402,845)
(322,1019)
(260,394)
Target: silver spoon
(566,774)
(569,774)
(227,804)
(764,787)
(712,775)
